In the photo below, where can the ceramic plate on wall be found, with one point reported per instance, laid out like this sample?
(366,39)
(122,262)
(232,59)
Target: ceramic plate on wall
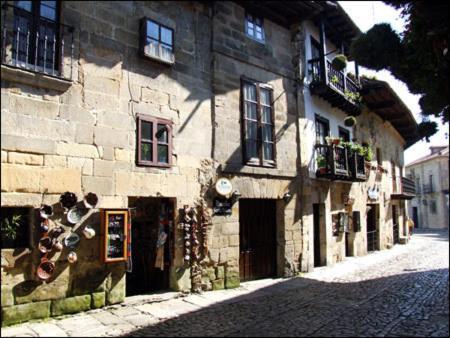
(75,215)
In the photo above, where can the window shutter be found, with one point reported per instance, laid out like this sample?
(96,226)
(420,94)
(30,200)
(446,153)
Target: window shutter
(356,221)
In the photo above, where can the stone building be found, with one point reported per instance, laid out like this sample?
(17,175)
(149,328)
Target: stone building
(148,105)
(429,209)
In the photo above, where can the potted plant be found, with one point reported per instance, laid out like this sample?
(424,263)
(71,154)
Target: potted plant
(339,62)
(321,164)
(368,154)
(350,121)
(10,226)
(334,79)
(333,140)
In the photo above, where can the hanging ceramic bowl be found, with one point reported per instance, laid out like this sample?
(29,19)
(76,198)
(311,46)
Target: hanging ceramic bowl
(55,232)
(75,215)
(71,240)
(45,269)
(72,257)
(90,200)
(57,245)
(46,211)
(45,244)
(68,200)
(88,232)
(44,225)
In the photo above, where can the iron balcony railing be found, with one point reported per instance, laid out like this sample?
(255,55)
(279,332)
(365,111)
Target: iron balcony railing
(427,188)
(408,186)
(36,43)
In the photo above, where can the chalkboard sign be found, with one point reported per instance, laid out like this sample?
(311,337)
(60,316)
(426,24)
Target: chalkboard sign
(114,235)
(222,206)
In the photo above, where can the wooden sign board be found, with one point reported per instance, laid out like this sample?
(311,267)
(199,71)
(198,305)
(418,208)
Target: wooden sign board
(114,232)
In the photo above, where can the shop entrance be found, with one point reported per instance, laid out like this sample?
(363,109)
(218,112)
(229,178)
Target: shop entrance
(395,229)
(372,233)
(319,234)
(152,232)
(415,217)
(257,237)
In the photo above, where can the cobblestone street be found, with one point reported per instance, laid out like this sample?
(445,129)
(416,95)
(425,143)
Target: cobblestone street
(397,292)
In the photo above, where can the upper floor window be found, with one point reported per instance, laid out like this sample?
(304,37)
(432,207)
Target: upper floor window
(258,124)
(154,141)
(35,37)
(433,208)
(431,183)
(157,41)
(322,130)
(344,134)
(254,27)
(315,48)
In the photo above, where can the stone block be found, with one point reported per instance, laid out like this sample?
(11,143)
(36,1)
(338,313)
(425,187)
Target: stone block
(77,150)
(117,292)
(108,153)
(123,154)
(101,185)
(154,96)
(84,133)
(27,144)
(114,120)
(230,228)
(21,313)
(20,199)
(218,284)
(220,272)
(95,100)
(85,165)
(55,180)
(7,296)
(232,282)
(27,106)
(103,168)
(211,273)
(71,305)
(107,136)
(113,202)
(24,158)
(18,178)
(98,300)
(4,156)
(55,161)
(102,85)
(76,114)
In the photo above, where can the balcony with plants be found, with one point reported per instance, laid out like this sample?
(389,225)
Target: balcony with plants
(344,161)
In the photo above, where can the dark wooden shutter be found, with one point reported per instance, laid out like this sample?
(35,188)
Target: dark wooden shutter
(356,221)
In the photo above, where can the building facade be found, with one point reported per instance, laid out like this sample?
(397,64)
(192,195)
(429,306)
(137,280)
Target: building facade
(148,106)
(430,208)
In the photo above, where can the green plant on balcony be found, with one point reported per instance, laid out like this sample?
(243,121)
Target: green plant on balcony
(321,164)
(350,121)
(353,96)
(339,62)
(368,153)
(333,140)
(334,79)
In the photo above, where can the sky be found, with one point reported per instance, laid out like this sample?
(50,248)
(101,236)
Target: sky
(365,14)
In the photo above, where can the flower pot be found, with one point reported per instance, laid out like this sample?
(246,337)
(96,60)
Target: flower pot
(90,200)
(46,211)
(88,232)
(45,269)
(75,215)
(57,246)
(71,240)
(55,232)
(322,170)
(45,244)
(44,225)
(68,200)
(72,257)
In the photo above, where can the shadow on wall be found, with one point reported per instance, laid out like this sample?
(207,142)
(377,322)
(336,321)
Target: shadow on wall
(307,307)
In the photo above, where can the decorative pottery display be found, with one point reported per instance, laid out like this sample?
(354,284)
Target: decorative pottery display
(57,245)
(45,244)
(72,257)
(75,215)
(88,232)
(68,200)
(46,211)
(90,200)
(45,269)
(71,240)
(55,232)
(44,226)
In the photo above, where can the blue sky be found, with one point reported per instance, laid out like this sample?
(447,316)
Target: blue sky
(365,14)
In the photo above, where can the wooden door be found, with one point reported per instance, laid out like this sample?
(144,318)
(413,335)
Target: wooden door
(395,224)
(257,237)
(371,228)
(415,217)
(316,220)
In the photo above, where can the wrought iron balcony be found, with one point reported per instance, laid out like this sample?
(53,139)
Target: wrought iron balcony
(334,86)
(357,166)
(427,189)
(37,44)
(407,190)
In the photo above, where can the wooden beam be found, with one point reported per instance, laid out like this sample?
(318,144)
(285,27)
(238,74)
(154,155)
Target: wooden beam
(382,105)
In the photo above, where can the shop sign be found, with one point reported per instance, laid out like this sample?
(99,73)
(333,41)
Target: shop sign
(373,193)
(224,186)
(222,206)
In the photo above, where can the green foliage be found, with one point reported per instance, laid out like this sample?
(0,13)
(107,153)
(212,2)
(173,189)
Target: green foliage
(339,62)
(368,153)
(418,56)
(321,161)
(10,225)
(350,121)
(334,79)
(353,96)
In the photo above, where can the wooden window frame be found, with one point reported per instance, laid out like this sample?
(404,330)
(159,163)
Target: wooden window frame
(155,121)
(253,37)
(260,162)
(143,40)
(320,119)
(343,130)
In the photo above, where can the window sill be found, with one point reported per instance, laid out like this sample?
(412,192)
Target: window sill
(253,170)
(157,59)
(13,74)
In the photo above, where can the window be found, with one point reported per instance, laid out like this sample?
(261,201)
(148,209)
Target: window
(157,41)
(433,206)
(258,124)
(35,44)
(315,48)
(418,185)
(344,134)
(379,159)
(254,27)
(431,183)
(154,141)
(15,227)
(394,177)
(356,221)
(322,130)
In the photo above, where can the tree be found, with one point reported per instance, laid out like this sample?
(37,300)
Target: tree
(418,56)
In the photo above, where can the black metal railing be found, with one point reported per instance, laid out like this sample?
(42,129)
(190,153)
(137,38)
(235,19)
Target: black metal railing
(337,79)
(427,188)
(35,43)
(408,186)
(357,166)
(336,158)
(371,240)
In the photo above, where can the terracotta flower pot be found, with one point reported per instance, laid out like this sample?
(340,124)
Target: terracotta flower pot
(68,200)
(45,244)
(90,200)
(72,257)
(46,211)
(45,269)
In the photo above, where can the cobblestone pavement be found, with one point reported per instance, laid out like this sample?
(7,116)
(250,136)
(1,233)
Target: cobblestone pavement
(397,292)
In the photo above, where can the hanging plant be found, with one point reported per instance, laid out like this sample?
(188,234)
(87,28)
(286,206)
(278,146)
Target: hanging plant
(10,226)
(350,121)
(339,62)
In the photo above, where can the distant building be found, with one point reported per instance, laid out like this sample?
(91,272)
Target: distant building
(430,207)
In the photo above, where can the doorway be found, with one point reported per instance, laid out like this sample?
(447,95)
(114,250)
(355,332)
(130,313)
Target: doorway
(257,238)
(372,233)
(152,235)
(395,229)
(319,233)
(415,217)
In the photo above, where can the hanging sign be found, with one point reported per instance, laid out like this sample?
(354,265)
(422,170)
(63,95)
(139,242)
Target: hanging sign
(224,186)
(373,193)
(222,206)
